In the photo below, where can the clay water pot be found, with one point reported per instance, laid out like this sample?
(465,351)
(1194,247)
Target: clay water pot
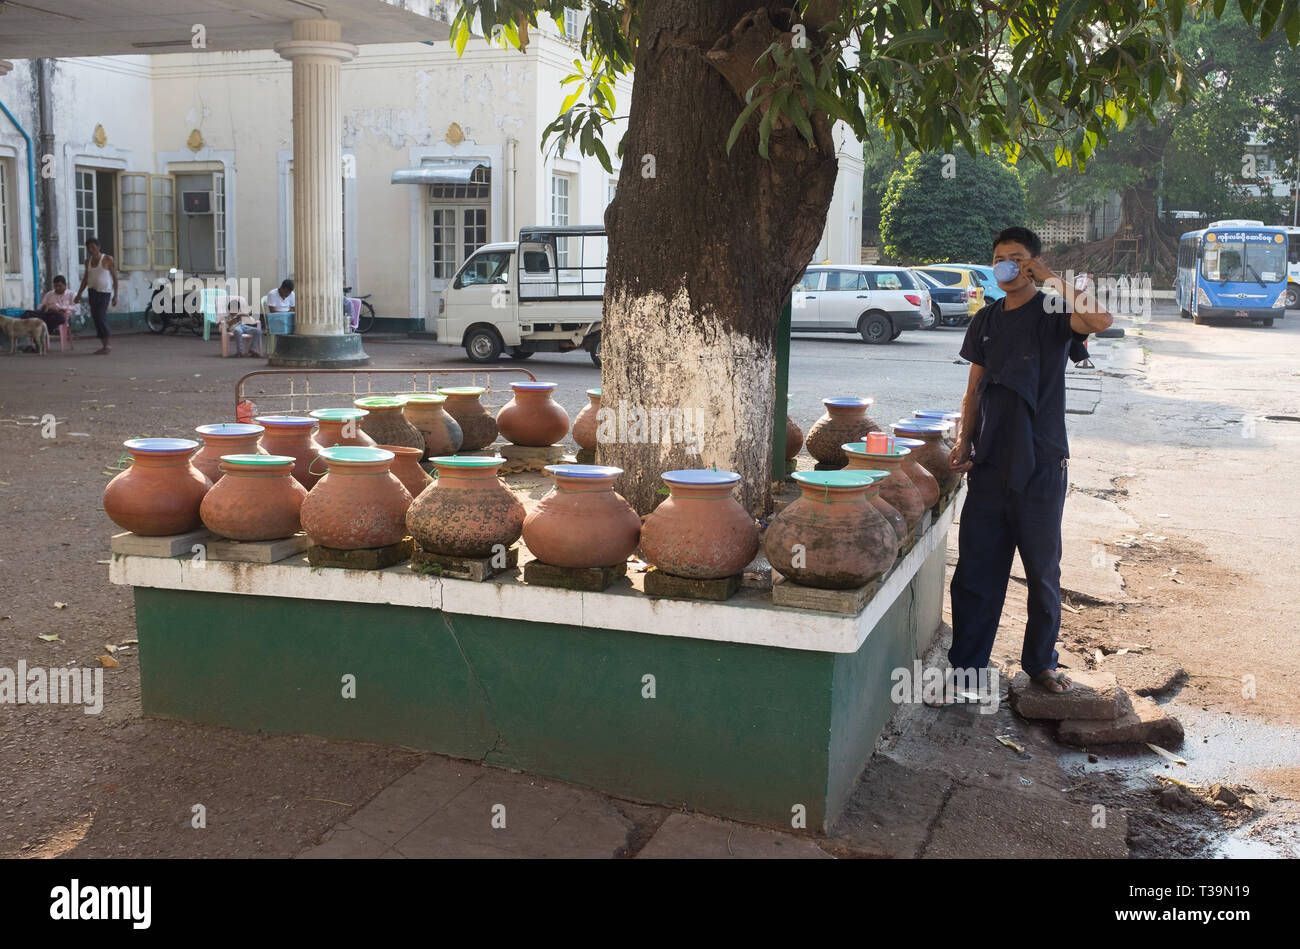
(225,438)
(887,510)
(257,498)
(793,435)
(406,466)
(291,435)
(587,421)
(467,511)
(386,424)
(161,492)
(341,427)
(700,531)
(582,523)
(846,420)
(358,503)
(897,488)
(924,481)
(533,418)
(831,536)
(426,411)
(478,427)
(934,456)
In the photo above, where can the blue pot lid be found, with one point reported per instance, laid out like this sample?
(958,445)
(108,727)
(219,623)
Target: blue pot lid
(161,444)
(835,479)
(849,401)
(346,453)
(584,471)
(259,459)
(700,476)
(922,426)
(534,386)
(860,448)
(303,420)
(938,415)
(908,443)
(231,428)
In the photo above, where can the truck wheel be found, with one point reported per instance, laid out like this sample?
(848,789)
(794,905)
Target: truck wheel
(517,353)
(875,328)
(594,349)
(483,345)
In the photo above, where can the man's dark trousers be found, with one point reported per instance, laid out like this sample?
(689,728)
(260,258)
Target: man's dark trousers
(994,522)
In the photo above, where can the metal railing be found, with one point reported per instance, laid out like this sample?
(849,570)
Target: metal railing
(307,389)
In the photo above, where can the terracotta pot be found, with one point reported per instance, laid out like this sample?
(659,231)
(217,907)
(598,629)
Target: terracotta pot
(533,418)
(831,536)
(582,523)
(924,481)
(341,427)
(259,500)
(887,510)
(426,411)
(897,489)
(793,436)
(291,435)
(934,456)
(478,427)
(225,438)
(846,420)
(161,492)
(406,466)
(467,511)
(358,503)
(386,424)
(588,422)
(700,531)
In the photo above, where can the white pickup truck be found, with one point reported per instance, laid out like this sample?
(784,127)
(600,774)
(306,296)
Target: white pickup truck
(542,293)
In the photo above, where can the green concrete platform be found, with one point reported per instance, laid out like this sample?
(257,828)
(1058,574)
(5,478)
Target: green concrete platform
(754,712)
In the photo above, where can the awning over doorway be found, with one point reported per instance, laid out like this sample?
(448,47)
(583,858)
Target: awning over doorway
(438,173)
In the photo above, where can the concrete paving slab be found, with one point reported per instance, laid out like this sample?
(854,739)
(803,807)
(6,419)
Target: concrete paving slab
(345,843)
(694,836)
(994,822)
(891,810)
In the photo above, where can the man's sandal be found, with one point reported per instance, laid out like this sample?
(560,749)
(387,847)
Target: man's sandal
(1054,681)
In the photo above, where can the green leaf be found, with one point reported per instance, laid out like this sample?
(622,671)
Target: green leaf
(598,148)
(741,120)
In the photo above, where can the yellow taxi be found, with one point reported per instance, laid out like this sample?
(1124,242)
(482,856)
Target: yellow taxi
(963,280)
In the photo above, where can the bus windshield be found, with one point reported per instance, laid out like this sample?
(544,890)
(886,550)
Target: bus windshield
(1242,257)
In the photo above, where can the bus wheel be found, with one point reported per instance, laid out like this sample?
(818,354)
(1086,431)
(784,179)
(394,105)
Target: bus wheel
(1196,318)
(1267,322)
(1293,296)
(483,345)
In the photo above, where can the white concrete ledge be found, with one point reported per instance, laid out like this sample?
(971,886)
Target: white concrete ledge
(749,617)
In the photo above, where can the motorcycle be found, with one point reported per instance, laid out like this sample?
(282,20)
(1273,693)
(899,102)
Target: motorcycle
(169,311)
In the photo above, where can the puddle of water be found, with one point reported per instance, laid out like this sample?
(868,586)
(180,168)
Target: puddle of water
(1236,847)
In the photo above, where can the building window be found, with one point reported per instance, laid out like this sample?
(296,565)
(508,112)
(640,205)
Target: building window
(219,219)
(7,250)
(573,25)
(133,199)
(476,189)
(457,222)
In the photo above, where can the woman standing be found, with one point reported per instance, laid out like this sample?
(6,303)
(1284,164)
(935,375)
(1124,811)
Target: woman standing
(100,280)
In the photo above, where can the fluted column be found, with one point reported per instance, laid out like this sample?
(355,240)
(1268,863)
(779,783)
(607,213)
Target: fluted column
(318,54)
(5,67)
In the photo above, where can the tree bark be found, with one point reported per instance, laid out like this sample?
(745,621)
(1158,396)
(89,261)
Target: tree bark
(703,249)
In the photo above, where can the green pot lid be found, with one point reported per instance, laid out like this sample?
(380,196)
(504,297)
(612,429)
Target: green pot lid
(259,459)
(355,453)
(835,479)
(860,448)
(423,398)
(462,390)
(377,401)
(339,415)
(468,461)
(595,392)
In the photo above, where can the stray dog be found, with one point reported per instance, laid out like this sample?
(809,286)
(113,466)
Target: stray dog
(32,329)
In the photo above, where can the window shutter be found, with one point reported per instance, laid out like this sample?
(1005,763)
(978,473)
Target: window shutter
(133,229)
(162,220)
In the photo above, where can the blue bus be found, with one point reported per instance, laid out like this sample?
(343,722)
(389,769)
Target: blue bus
(1234,270)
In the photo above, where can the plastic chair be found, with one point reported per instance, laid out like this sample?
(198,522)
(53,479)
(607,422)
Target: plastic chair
(214,306)
(65,337)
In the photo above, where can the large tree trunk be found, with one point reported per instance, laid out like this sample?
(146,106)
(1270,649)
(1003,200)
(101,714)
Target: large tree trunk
(703,249)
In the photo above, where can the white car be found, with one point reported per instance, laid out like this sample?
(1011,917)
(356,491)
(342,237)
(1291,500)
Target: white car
(876,302)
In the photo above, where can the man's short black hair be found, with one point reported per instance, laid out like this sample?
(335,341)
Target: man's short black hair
(1020,235)
(286,285)
(60,279)
(93,240)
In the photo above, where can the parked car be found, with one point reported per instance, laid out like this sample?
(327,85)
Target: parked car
(878,303)
(948,304)
(992,292)
(964,280)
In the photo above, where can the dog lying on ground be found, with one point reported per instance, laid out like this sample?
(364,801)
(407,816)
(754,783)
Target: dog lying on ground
(32,329)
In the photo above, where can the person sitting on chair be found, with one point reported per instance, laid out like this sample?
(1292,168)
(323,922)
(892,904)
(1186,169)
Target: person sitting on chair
(55,308)
(281,300)
(243,323)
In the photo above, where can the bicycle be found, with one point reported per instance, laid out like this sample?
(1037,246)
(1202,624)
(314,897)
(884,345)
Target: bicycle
(366,319)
